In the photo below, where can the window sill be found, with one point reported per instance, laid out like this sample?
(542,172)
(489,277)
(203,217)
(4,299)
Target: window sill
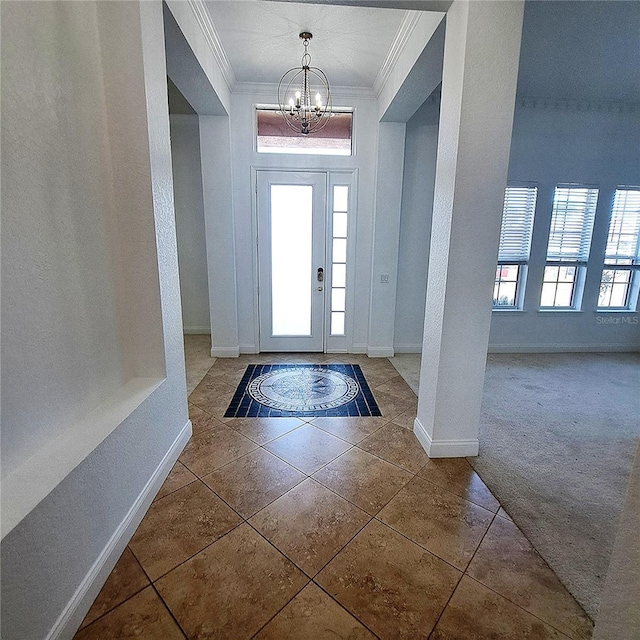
(499,310)
(559,310)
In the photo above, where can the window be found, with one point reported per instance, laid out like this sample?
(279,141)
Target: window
(275,136)
(340,223)
(574,209)
(515,245)
(619,281)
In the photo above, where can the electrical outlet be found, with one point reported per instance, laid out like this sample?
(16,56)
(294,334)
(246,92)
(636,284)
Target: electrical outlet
(384,278)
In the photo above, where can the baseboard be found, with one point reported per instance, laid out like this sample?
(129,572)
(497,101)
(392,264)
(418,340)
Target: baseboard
(196,331)
(225,352)
(408,348)
(444,448)
(358,348)
(248,348)
(563,348)
(380,352)
(73,614)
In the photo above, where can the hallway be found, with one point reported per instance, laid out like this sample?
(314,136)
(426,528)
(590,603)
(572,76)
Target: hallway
(331,527)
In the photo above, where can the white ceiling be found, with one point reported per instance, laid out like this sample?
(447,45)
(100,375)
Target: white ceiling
(577,49)
(260,39)
(585,50)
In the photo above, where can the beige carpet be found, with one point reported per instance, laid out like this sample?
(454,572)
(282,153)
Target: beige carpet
(557,439)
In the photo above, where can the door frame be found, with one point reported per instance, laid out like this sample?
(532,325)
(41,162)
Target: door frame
(348,177)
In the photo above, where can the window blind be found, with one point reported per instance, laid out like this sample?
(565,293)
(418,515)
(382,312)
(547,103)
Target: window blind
(517,224)
(574,210)
(623,245)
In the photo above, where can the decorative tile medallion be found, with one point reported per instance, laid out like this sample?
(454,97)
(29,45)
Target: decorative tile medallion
(276,390)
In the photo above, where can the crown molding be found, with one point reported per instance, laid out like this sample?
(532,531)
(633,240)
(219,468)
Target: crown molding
(203,17)
(269,91)
(407,27)
(576,105)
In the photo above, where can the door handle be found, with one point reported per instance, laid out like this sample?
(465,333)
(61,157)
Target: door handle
(320,276)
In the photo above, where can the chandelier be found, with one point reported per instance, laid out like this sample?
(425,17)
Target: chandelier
(302,110)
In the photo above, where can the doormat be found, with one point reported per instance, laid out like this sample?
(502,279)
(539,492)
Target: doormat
(314,390)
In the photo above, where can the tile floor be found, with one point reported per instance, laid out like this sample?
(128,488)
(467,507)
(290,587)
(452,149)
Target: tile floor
(277,528)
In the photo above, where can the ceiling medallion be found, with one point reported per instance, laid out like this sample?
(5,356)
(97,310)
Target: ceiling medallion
(304,97)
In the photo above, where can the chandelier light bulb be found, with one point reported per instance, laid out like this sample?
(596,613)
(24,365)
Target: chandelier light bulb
(305,81)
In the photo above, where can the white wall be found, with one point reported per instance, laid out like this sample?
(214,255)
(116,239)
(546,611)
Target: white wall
(88,198)
(384,263)
(62,355)
(551,144)
(415,226)
(190,228)
(244,157)
(575,144)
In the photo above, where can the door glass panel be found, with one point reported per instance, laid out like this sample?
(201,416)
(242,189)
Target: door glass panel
(337,323)
(291,266)
(340,224)
(337,299)
(339,278)
(340,198)
(339,250)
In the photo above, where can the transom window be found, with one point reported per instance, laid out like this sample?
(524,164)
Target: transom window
(515,245)
(275,136)
(619,281)
(574,209)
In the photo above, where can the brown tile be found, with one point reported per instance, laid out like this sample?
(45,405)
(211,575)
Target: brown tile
(178,477)
(378,371)
(352,430)
(126,579)
(440,521)
(214,385)
(477,613)
(308,448)
(210,450)
(391,405)
(406,419)
(507,563)
(201,420)
(262,430)
(363,479)
(228,367)
(313,615)
(143,617)
(389,583)
(180,525)
(210,389)
(214,405)
(503,514)
(397,387)
(309,524)
(253,481)
(232,588)
(457,476)
(396,445)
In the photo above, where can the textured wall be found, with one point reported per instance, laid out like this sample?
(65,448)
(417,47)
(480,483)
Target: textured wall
(190,228)
(74,49)
(415,226)
(61,353)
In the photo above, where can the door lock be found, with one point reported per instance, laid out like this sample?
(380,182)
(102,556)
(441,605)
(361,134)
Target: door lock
(319,288)
(320,276)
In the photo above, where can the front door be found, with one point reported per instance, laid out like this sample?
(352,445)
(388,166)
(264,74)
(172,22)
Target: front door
(291,258)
